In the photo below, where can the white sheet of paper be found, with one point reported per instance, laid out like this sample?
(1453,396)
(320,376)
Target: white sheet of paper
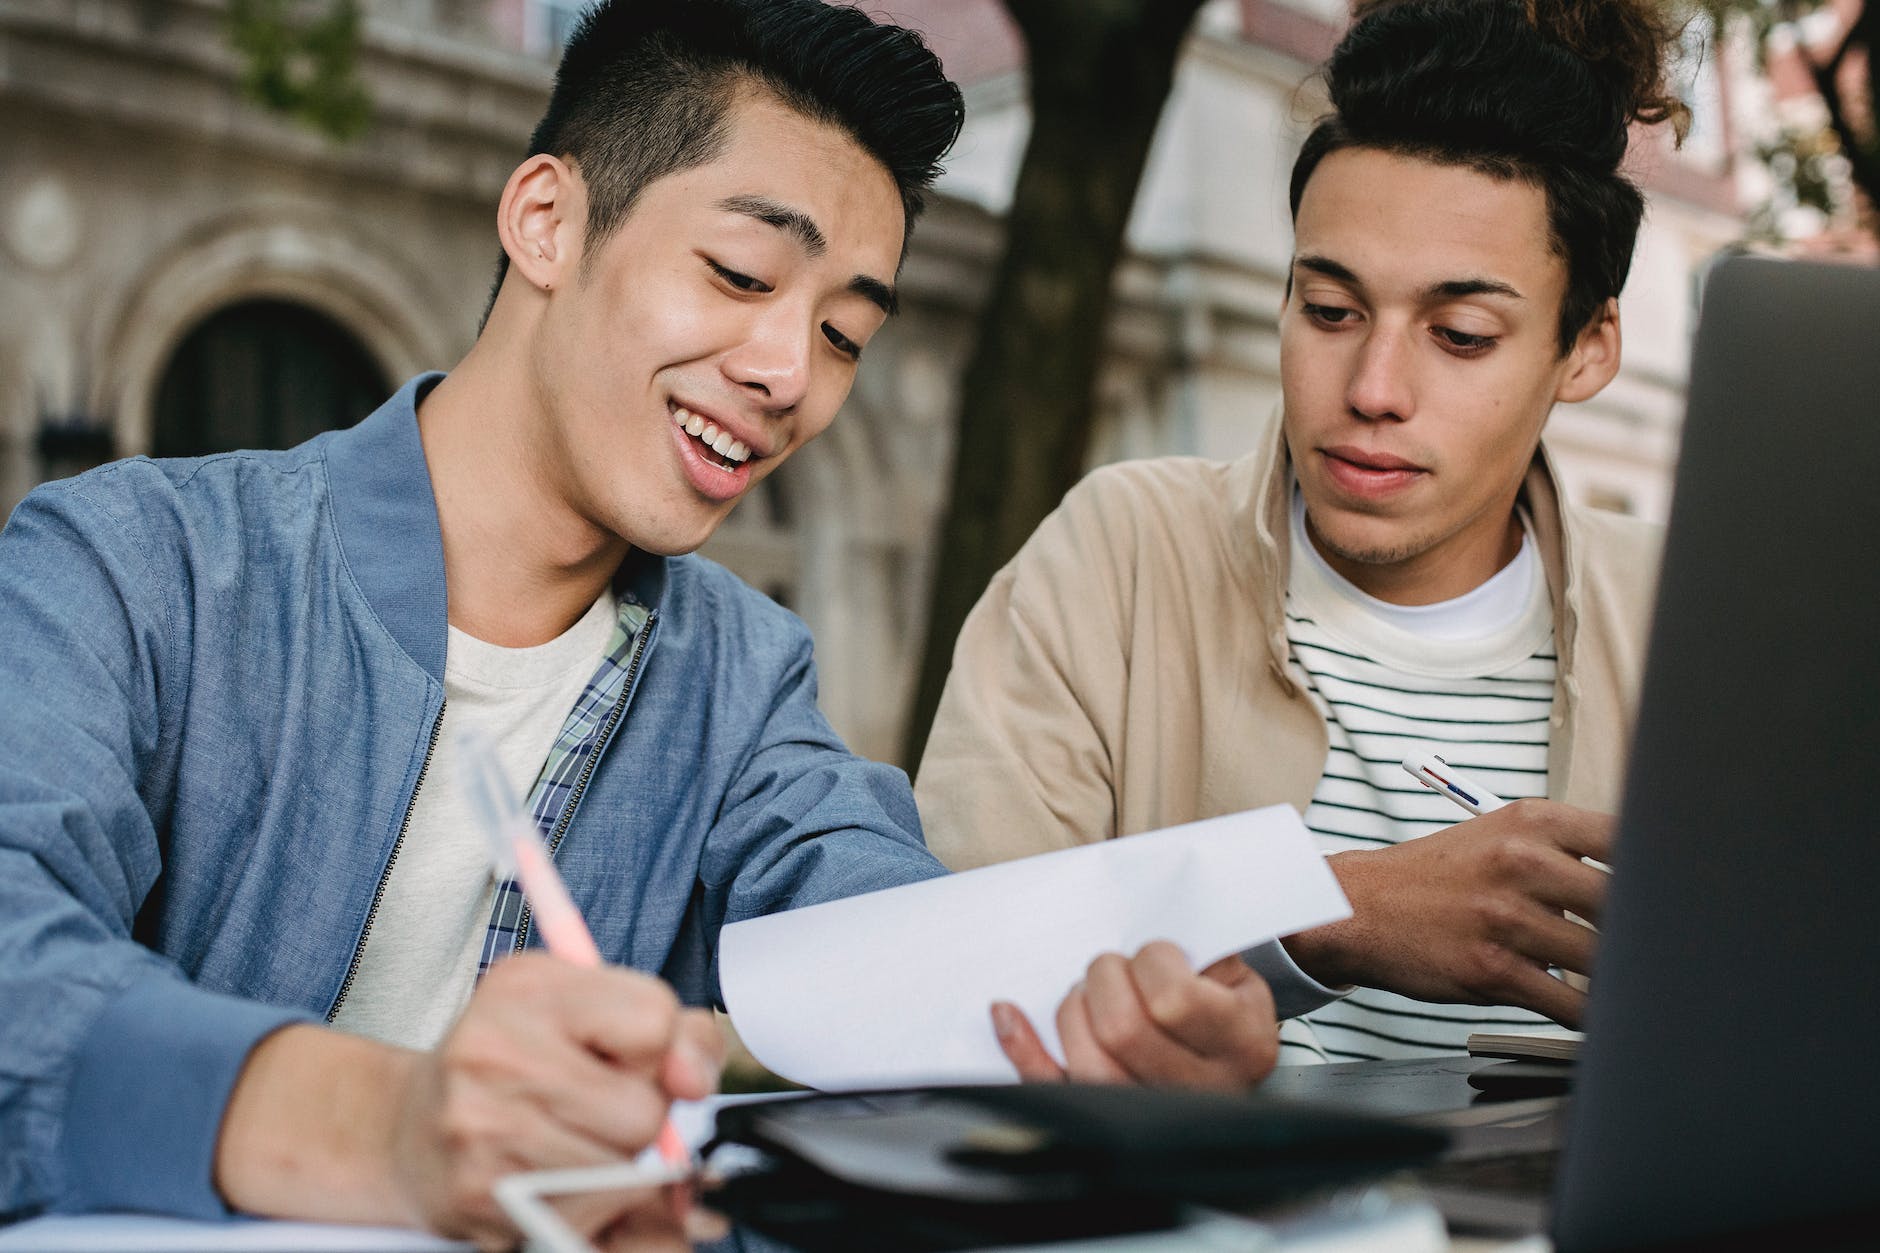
(894,988)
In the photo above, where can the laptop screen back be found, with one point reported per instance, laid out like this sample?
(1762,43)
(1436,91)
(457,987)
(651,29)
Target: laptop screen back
(1731,1077)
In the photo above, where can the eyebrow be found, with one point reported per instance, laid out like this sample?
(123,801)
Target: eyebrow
(1449,289)
(783,217)
(1456,288)
(800,226)
(1328,267)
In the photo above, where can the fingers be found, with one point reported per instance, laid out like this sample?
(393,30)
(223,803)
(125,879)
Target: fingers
(1021,1045)
(627,1017)
(1158,1021)
(1533,988)
(551,1065)
(1085,1058)
(1580,832)
(1576,887)
(1553,940)
(587,1047)
(696,1059)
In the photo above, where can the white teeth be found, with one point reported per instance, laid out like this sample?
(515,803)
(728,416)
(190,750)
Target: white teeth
(719,441)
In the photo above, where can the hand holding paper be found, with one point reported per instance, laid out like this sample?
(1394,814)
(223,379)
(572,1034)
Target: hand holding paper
(894,988)
(1153,1019)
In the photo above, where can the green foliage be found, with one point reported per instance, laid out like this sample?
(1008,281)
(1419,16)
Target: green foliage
(303,62)
(1809,173)
(1817,167)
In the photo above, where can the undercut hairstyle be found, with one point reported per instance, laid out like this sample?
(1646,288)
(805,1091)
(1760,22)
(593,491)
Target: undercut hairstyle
(645,89)
(1540,91)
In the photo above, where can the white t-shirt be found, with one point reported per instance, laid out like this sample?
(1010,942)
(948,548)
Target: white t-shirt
(1471,678)
(420,960)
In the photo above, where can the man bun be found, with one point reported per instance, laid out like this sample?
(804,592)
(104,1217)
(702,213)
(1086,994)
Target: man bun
(1543,91)
(1560,79)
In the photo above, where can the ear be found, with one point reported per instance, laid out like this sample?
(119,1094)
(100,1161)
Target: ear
(1594,358)
(540,221)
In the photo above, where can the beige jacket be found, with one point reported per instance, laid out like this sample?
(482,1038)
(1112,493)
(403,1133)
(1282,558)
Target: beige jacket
(1128,670)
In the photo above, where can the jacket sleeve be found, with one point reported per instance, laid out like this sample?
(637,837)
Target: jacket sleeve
(805,820)
(1019,758)
(114,1069)
(1019,761)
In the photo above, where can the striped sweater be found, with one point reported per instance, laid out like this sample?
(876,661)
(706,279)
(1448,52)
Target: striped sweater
(1471,679)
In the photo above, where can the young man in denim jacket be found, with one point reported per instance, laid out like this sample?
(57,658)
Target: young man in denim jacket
(229,806)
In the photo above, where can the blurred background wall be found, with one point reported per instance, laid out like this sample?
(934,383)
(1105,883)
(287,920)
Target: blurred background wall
(181,271)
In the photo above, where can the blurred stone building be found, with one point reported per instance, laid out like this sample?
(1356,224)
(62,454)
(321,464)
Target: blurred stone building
(181,272)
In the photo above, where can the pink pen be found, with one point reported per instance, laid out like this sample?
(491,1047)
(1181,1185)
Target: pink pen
(516,849)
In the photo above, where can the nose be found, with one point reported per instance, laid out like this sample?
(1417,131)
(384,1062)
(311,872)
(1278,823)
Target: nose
(774,360)
(1381,387)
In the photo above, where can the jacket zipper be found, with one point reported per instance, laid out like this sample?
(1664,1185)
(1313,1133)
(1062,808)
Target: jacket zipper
(594,758)
(378,893)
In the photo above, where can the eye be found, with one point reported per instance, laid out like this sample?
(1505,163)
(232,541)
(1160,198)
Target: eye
(1462,343)
(843,343)
(743,282)
(1329,315)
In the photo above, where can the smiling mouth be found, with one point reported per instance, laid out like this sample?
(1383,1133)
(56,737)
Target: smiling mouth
(715,445)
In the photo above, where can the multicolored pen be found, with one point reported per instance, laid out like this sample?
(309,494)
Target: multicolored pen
(1439,776)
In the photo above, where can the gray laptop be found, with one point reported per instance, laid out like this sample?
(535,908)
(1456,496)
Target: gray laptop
(1728,1090)
(1729,1087)
(1731,1075)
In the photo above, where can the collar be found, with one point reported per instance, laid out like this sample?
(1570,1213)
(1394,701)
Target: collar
(1261,484)
(386,515)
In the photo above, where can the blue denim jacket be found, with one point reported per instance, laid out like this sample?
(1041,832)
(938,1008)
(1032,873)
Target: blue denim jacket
(219,684)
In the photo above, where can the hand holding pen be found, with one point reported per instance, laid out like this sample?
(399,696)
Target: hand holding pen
(553,1064)
(517,851)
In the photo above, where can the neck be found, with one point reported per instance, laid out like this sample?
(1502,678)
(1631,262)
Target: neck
(522,563)
(1450,568)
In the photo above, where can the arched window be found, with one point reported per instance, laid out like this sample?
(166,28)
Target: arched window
(262,374)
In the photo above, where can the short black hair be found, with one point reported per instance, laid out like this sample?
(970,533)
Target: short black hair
(1541,91)
(645,88)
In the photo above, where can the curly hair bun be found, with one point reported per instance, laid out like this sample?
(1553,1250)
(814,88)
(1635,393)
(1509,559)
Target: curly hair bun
(1559,81)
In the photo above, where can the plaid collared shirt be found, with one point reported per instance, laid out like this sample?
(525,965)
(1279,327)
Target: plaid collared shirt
(566,772)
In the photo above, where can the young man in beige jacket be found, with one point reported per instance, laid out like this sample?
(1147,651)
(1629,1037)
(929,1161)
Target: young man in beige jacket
(1392,567)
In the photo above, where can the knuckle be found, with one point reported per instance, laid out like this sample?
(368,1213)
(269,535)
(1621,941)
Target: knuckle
(1172,1005)
(638,1115)
(1118,1034)
(1528,812)
(1514,857)
(474,1055)
(1501,917)
(1162,951)
(648,994)
(1491,968)
(463,1131)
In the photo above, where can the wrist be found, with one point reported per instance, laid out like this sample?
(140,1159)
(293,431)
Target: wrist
(310,1130)
(1331,953)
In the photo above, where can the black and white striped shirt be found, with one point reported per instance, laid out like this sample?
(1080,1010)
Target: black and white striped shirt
(1471,679)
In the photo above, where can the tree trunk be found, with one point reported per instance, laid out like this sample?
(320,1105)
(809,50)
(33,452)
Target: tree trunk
(1862,150)
(1100,72)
